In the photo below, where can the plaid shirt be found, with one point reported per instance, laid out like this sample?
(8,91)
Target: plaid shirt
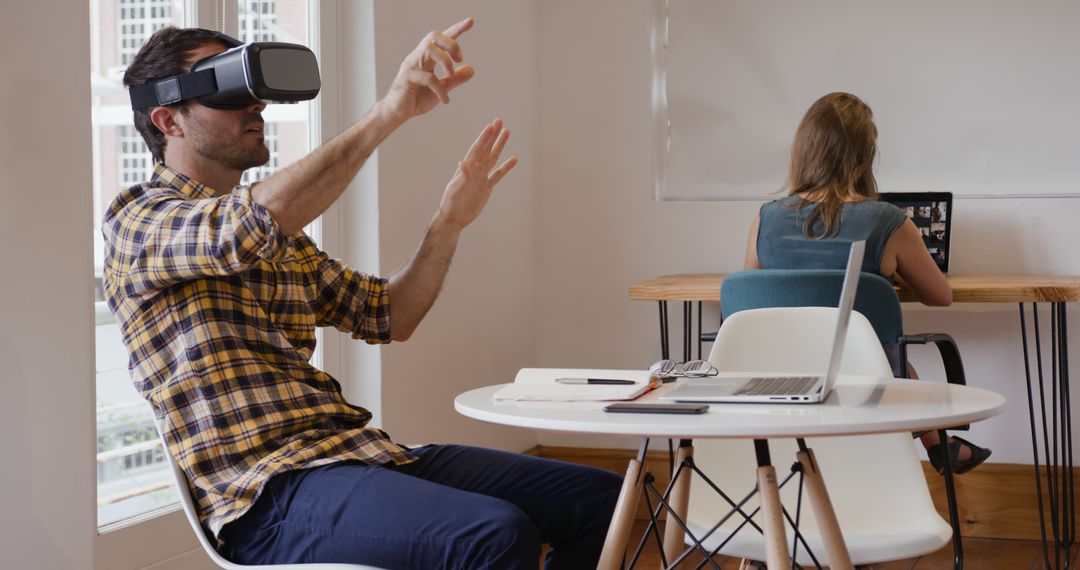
(218,310)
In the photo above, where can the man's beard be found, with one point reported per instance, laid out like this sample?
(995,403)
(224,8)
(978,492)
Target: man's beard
(238,155)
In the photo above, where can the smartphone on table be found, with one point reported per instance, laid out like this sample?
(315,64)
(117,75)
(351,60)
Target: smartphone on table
(657,408)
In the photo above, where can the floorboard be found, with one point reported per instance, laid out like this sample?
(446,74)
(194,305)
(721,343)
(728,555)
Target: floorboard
(979,554)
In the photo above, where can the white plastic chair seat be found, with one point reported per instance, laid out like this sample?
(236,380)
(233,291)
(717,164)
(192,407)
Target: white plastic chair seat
(193,519)
(875,482)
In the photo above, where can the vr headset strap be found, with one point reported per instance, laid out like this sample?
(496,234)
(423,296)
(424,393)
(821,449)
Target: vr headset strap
(173,90)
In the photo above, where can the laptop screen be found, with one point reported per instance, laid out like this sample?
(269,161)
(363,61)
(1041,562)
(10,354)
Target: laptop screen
(932,214)
(843,316)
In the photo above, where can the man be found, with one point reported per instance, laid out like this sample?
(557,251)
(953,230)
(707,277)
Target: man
(218,293)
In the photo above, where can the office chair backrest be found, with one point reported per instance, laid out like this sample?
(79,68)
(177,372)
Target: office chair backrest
(763,288)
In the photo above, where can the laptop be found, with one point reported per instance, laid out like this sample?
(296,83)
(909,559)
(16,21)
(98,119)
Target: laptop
(786,388)
(932,214)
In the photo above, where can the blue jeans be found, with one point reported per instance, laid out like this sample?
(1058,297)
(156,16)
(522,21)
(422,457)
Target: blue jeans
(455,507)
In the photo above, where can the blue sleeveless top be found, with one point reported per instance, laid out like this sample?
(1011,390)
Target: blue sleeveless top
(781,243)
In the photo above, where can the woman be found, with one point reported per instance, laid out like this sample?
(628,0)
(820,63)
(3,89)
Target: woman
(832,201)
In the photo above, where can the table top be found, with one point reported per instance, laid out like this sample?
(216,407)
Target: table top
(966,288)
(856,405)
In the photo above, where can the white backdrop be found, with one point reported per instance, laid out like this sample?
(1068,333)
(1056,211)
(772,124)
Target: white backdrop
(976,97)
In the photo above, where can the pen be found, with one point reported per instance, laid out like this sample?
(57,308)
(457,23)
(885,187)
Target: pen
(593,381)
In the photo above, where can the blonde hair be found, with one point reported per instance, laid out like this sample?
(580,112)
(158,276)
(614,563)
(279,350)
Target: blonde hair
(833,154)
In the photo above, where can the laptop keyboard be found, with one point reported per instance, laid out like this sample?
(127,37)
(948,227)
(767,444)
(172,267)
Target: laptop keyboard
(779,386)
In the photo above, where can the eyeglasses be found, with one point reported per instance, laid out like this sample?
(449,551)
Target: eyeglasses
(697,369)
(690,369)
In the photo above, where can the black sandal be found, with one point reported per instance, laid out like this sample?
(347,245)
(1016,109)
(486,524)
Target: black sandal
(959,466)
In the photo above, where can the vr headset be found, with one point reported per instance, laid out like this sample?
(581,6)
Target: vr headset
(267,72)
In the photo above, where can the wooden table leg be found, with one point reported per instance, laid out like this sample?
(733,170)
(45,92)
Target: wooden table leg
(776,549)
(839,559)
(622,521)
(680,502)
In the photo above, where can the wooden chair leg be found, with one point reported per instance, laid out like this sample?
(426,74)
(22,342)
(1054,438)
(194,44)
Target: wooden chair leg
(839,559)
(680,502)
(776,549)
(622,520)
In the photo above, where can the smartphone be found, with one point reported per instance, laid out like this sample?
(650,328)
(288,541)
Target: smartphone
(631,408)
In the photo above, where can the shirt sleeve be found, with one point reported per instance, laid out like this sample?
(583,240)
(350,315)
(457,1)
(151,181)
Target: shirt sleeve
(168,239)
(350,301)
(894,220)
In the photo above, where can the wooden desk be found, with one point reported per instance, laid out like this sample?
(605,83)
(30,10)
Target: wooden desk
(1021,289)
(966,288)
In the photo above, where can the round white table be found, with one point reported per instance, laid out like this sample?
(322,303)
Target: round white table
(856,405)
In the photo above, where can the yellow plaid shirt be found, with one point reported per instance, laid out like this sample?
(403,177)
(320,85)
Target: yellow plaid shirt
(218,310)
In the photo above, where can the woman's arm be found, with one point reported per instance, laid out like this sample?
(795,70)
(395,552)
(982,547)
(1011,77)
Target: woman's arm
(751,260)
(915,266)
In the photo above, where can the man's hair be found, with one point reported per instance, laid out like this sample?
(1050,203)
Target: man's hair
(164,55)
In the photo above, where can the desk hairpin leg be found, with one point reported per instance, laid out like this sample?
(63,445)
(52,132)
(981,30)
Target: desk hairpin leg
(688,329)
(1056,439)
(688,325)
(664,353)
(1063,361)
(1069,506)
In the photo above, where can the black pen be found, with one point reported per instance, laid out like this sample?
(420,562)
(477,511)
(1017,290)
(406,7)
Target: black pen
(593,381)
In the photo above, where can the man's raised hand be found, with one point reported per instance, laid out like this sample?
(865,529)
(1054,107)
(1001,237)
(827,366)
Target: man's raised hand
(475,177)
(429,73)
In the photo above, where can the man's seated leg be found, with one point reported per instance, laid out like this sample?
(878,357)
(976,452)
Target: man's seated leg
(570,505)
(456,507)
(350,512)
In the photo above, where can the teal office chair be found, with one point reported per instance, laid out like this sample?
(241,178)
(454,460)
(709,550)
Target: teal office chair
(876,300)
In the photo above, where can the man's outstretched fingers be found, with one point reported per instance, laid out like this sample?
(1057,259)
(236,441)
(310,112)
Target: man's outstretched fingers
(500,142)
(438,57)
(478,150)
(461,75)
(502,170)
(458,29)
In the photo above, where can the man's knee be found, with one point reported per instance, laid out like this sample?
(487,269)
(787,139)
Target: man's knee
(505,538)
(606,488)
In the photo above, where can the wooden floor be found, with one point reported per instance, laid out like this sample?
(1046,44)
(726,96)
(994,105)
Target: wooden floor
(979,554)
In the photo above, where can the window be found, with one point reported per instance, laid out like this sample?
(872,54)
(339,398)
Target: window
(137,20)
(135,162)
(133,479)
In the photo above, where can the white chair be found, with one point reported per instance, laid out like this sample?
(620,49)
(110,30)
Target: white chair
(193,519)
(876,482)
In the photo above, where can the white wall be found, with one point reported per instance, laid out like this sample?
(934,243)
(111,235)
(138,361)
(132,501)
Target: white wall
(540,279)
(482,328)
(47,501)
(598,229)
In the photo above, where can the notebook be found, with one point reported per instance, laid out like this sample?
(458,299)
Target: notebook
(539,385)
(787,388)
(932,214)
